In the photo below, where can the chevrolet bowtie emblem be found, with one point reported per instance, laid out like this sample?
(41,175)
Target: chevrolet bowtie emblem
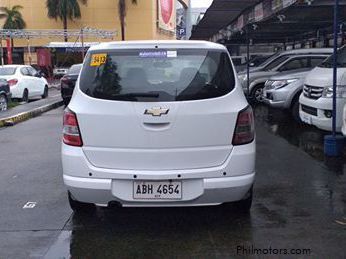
(156,111)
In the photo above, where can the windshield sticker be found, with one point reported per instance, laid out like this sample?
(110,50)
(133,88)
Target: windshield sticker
(171,54)
(158,54)
(98,60)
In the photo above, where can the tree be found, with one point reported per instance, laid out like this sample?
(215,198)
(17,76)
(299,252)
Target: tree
(64,10)
(14,19)
(122,14)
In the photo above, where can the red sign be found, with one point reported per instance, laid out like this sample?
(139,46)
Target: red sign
(166,10)
(167,16)
(9,51)
(43,58)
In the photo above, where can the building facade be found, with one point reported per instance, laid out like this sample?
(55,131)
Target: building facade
(146,20)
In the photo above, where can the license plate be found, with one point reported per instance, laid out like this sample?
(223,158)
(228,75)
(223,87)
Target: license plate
(152,190)
(306,118)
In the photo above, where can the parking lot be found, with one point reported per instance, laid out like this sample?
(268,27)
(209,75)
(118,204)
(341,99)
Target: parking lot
(299,203)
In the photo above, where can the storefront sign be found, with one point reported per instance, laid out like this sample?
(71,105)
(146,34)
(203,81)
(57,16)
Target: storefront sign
(44,58)
(286,3)
(259,12)
(276,5)
(166,12)
(240,22)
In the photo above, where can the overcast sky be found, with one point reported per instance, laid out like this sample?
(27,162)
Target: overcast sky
(201,3)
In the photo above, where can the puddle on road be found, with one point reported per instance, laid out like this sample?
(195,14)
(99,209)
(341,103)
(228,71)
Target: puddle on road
(153,233)
(307,138)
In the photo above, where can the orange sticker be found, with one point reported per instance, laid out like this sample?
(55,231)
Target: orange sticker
(98,59)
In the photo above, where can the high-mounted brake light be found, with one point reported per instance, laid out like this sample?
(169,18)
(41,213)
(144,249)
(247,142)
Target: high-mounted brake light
(245,129)
(71,133)
(12,82)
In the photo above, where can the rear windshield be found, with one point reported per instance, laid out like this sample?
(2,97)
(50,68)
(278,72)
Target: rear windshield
(157,75)
(7,71)
(75,69)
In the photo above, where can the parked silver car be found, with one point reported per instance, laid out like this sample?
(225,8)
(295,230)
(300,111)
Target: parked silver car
(288,61)
(283,90)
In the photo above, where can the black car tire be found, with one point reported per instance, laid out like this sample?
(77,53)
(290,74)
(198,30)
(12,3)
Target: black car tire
(45,92)
(256,93)
(25,97)
(80,207)
(3,102)
(295,109)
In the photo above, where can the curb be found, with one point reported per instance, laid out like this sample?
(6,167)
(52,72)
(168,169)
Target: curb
(23,116)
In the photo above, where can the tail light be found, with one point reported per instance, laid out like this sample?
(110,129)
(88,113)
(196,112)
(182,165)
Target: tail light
(12,82)
(71,133)
(245,129)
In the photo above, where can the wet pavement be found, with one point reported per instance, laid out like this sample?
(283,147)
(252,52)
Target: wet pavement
(299,204)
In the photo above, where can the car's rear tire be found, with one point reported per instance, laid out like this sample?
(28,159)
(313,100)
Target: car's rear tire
(80,207)
(256,93)
(25,97)
(3,102)
(244,205)
(295,109)
(45,92)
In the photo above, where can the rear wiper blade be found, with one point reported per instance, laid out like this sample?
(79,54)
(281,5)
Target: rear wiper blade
(134,95)
(210,84)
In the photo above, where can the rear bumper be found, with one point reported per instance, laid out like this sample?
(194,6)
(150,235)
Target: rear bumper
(214,191)
(16,92)
(277,98)
(203,186)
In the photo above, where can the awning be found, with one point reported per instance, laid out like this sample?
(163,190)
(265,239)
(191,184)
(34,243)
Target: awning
(298,22)
(268,21)
(220,14)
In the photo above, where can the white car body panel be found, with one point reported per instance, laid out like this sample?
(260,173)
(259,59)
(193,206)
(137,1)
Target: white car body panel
(192,144)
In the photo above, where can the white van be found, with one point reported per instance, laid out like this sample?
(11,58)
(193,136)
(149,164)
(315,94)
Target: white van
(158,123)
(316,101)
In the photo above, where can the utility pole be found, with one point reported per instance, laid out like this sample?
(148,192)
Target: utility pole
(82,40)
(335,61)
(333,144)
(1,52)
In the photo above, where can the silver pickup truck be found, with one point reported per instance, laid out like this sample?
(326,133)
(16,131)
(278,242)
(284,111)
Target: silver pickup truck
(283,90)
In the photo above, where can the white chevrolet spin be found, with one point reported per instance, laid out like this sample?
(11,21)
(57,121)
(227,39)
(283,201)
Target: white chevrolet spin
(158,123)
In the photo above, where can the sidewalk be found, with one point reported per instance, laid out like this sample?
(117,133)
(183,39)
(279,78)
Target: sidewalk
(32,109)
